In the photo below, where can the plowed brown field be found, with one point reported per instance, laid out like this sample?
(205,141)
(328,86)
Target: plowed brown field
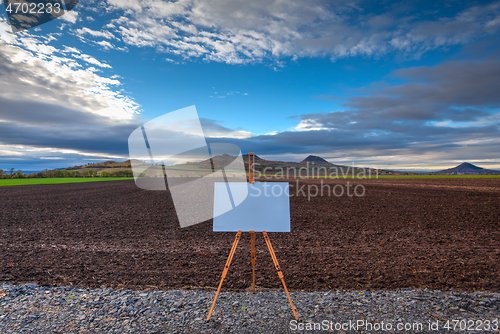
(436,233)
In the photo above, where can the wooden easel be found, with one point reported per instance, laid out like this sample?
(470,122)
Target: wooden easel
(251,179)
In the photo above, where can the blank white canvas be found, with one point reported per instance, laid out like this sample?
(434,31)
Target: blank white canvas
(257,212)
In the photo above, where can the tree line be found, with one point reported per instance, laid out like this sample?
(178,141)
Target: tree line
(12,173)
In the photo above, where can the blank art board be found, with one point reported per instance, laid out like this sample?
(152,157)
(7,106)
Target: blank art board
(266,207)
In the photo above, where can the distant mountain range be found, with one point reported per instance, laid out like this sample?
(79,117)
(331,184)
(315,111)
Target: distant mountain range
(466,168)
(311,162)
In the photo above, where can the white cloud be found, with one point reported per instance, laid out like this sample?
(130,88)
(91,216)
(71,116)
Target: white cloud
(105,44)
(45,74)
(168,60)
(214,129)
(70,49)
(91,60)
(126,4)
(4,152)
(32,153)
(86,31)
(311,125)
(241,31)
(231,134)
(70,16)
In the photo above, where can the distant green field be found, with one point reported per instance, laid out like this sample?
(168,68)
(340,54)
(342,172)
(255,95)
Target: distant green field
(439,176)
(410,177)
(19,182)
(183,167)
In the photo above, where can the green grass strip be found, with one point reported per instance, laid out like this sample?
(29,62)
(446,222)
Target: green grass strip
(19,182)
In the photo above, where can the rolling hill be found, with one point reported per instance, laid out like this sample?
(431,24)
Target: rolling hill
(466,168)
(316,161)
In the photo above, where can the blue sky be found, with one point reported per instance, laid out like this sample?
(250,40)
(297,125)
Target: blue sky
(386,85)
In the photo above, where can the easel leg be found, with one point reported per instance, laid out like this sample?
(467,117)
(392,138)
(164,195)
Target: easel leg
(226,268)
(278,269)
(252,241)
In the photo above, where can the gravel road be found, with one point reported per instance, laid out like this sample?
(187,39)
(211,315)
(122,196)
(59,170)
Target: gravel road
(37,309)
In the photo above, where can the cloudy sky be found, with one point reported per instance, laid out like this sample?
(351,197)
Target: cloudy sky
(402,85)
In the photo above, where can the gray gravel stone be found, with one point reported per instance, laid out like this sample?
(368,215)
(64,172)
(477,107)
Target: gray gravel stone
(33,309)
